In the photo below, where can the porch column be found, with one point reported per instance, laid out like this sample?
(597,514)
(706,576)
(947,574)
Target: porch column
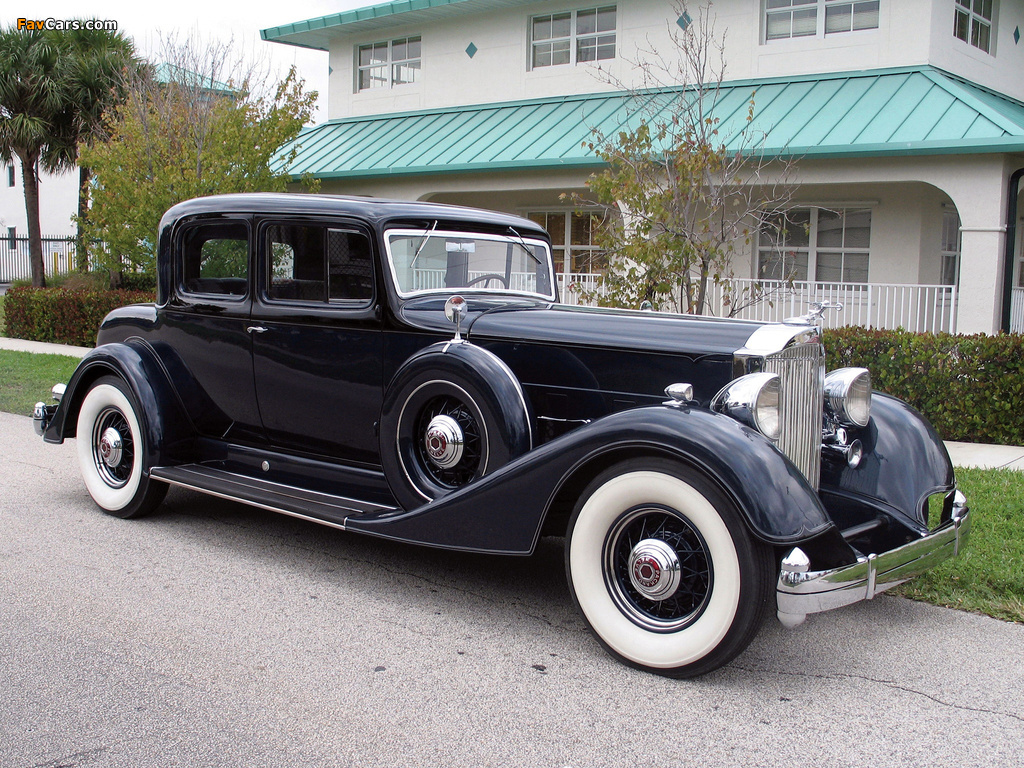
(981,279)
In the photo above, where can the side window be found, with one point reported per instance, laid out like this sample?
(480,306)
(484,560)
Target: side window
(318,263)
(215,259)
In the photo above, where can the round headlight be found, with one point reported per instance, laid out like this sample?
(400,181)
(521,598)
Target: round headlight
(752,400)
(848,396)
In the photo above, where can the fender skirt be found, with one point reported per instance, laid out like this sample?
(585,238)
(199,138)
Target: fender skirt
(504,511)
(169,432)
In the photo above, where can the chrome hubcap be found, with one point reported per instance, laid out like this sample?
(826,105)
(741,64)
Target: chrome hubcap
(444,441)
(654,569)
(111,448)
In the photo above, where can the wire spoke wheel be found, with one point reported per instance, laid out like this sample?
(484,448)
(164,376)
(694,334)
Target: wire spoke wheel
(662,594)
(113,448)
(468,465)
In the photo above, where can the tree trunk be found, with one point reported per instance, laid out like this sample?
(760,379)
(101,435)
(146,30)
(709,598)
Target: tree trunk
(81,248)
(30,177)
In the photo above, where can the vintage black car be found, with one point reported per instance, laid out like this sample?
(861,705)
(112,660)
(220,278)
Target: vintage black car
(406,370)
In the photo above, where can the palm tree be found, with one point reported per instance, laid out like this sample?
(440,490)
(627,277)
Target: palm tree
(33,120)
(56,90)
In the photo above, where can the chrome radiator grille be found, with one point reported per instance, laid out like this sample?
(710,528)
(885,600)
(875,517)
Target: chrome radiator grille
(801,369)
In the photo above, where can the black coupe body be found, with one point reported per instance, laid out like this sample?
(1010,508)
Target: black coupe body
(406,370)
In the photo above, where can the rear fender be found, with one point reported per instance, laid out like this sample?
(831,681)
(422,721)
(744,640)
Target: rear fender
(504,512)
(168,429)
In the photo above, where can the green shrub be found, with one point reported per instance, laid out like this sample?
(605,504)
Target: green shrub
(971,388)
(63,315)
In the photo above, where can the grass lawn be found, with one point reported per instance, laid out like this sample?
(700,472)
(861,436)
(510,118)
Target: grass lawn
(26,378)
(987,578)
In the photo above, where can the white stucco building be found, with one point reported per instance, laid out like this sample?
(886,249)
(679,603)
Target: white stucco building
(58,204)
(906,118)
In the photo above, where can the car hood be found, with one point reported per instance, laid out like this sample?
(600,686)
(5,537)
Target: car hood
(527,320)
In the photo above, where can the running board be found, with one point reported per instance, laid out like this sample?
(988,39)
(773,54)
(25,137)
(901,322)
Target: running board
(288,500)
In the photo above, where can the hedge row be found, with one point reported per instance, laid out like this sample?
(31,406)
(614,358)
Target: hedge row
(62,315)
(971,388)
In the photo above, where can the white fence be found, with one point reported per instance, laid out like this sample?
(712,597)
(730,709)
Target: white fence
(58,257)
(1017,311)
(917,308)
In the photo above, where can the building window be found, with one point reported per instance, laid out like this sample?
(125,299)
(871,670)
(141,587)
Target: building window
(387,64)
(572,242)
(10,175)
(12,238)
(786,19)
(973,23)
(572,37)
(816,245)
(950,248)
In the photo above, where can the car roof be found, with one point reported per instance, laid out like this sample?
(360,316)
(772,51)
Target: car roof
(374,209)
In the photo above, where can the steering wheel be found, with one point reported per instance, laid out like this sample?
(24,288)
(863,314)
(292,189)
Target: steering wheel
(486,277)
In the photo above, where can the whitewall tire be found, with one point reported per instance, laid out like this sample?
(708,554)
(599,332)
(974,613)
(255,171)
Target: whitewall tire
(111,451)
(663,569)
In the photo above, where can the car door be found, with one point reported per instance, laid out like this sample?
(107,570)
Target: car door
(317,341)
(205,343)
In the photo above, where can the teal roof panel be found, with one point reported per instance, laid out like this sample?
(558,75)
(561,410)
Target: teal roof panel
(874,113)
(319,32)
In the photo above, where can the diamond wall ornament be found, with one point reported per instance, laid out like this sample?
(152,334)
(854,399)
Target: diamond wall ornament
(684,21)
(1016,35)
(471,50)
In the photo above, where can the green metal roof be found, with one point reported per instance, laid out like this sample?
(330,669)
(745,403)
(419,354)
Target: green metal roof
(317,33)
(869,114)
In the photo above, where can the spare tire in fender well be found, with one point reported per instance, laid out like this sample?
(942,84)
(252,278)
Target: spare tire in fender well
(473,409)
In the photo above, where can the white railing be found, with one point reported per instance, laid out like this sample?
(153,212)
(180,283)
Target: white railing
(1017,310)
(918,308)
(572,286)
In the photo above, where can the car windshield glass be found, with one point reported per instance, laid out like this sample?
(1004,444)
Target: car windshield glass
(440,262)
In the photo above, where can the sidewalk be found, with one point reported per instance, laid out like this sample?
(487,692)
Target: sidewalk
(977,455)
(41,347)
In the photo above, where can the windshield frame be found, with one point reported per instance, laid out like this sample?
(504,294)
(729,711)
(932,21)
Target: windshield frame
(517,240)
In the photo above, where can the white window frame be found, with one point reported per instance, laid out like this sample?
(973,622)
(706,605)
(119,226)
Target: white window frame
(972,26)
(10,175)
(814,249)
(817,15)
(390,65)
(949,249)
(574,39)
(567,249)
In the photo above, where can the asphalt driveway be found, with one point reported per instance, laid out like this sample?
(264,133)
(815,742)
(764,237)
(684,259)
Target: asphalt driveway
(213,634)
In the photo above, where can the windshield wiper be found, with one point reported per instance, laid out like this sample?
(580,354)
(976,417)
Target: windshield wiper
(524,246)
(423,243)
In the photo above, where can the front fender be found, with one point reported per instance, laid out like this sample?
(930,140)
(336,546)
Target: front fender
(904,462)
(167,428)
(504,512)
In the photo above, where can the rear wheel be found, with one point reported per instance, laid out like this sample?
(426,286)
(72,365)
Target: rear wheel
(664,570)
(111,451)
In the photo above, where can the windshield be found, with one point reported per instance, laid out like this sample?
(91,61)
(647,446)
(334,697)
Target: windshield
(433,261)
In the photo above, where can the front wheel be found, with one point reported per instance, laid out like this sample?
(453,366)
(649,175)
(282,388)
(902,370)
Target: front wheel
(111,451)
(664,570)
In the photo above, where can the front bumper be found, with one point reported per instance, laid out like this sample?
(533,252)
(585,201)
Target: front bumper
(801,591)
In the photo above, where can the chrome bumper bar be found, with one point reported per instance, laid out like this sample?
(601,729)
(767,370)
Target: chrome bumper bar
(802,591)
(42,413)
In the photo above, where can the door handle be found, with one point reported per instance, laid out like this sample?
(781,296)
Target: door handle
(256,329)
